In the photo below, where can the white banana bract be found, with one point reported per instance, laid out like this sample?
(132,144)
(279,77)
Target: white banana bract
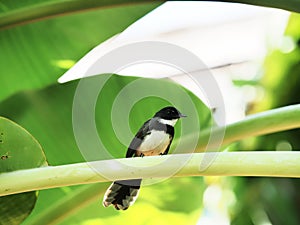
(229,38)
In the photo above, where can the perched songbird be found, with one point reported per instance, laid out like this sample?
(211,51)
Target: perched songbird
(153,138)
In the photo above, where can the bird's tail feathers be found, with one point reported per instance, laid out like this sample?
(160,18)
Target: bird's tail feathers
(122,194)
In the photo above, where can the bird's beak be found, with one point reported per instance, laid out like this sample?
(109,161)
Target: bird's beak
(182,115)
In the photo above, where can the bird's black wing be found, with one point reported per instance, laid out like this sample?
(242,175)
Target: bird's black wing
(137,140)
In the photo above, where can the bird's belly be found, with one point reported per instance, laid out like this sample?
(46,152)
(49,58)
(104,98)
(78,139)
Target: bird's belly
(154,143)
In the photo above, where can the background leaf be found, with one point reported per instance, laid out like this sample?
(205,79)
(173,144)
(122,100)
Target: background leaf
(33,54)
(18,150)
(47,114)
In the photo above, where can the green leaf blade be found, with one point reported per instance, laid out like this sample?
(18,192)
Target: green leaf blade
(18,150)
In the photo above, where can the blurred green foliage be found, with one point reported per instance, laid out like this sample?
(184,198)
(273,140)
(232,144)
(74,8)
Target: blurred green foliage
(277,200)
(33,56)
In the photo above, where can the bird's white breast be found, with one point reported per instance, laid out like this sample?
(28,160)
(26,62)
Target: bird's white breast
(155,143)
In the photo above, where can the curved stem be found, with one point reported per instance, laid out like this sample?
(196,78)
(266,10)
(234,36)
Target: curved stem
(271,121)
(274,164)
(291,5)
(283,164)
(51,9)
(55,8)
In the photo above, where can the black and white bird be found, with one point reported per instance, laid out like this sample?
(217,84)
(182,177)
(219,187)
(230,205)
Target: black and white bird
(153,138)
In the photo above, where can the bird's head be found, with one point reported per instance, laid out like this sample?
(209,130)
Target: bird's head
(169,113)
